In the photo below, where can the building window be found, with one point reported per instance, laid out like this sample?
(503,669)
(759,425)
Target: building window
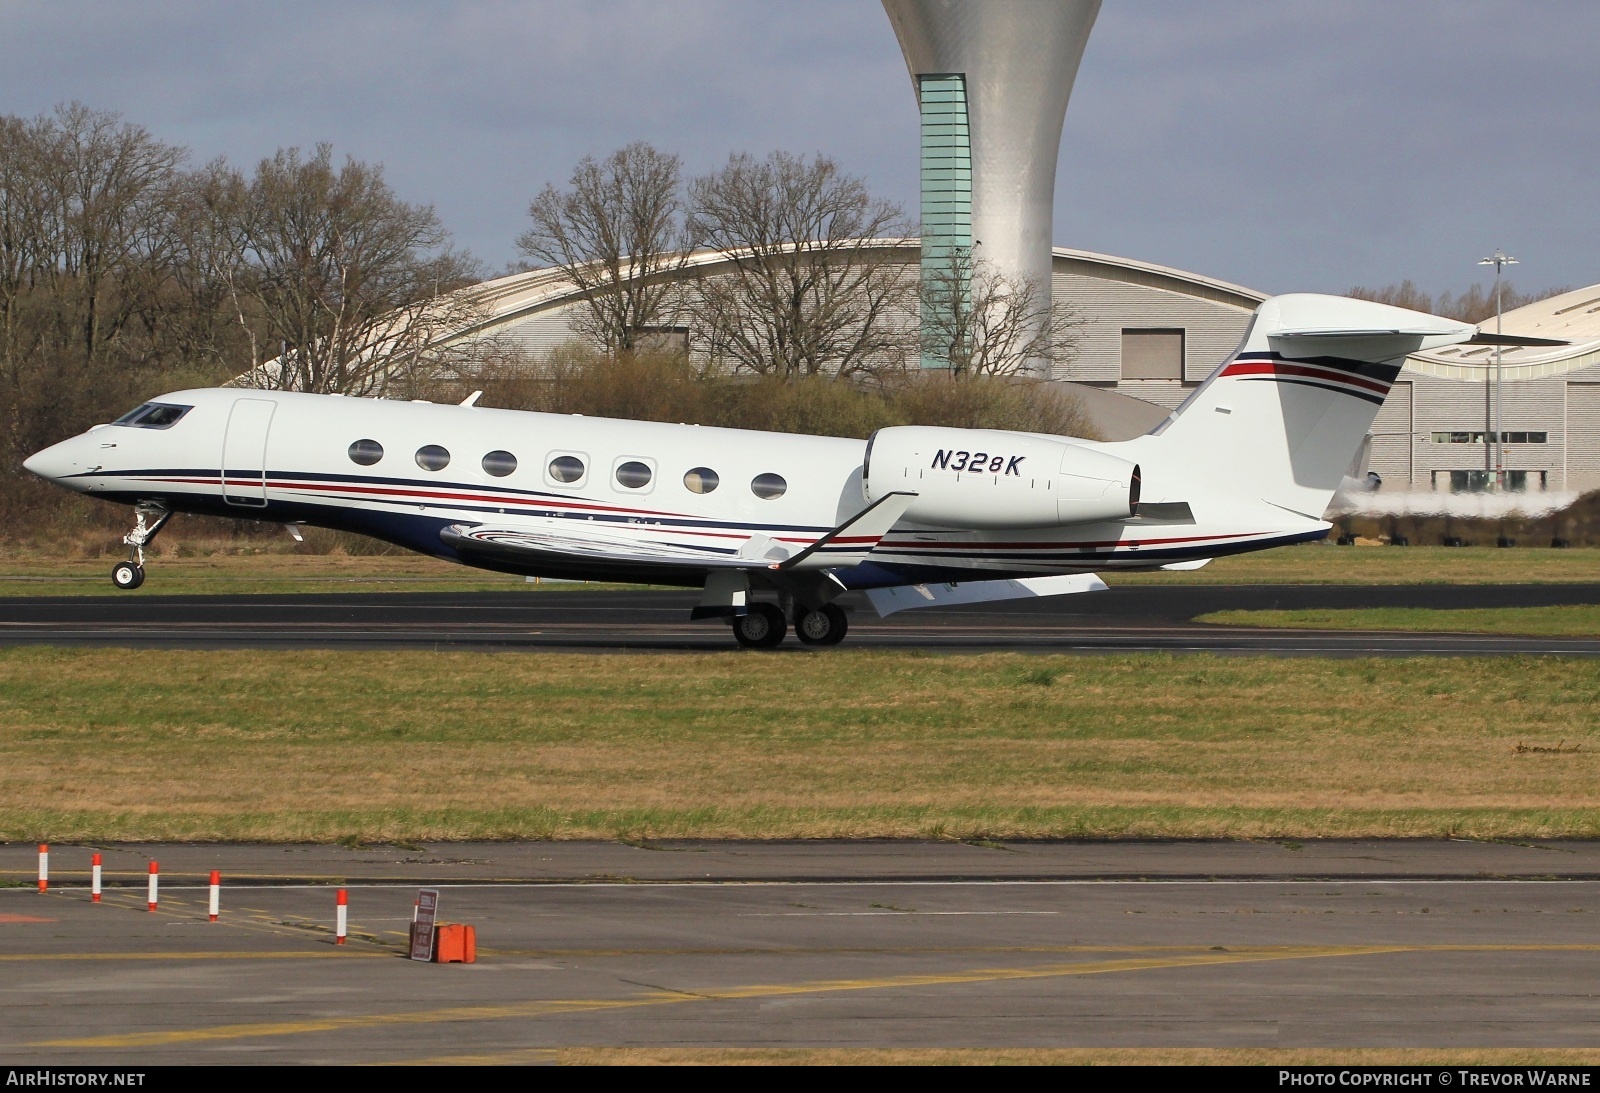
(701,480)
(1483,481)
(499,464)
(946,199)
(1466,436)
(662,339)
(431,457)
(1152,355)
(366,452)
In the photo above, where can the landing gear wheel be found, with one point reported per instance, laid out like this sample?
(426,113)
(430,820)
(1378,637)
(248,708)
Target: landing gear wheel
(127,576)
(824,626)
(762,628)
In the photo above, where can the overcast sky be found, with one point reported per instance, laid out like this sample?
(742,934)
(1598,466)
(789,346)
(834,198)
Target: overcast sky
(1281,145)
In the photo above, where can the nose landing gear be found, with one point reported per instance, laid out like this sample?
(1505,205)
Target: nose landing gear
(129,575)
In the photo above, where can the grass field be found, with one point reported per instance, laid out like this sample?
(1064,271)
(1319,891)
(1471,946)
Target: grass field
(1567,621)
(276,571)
(316,745)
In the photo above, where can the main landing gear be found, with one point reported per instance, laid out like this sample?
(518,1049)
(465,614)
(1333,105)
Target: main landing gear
(149,518)
(763,626)
(825,625)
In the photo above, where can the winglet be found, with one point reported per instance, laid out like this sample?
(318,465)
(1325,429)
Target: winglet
(854,539)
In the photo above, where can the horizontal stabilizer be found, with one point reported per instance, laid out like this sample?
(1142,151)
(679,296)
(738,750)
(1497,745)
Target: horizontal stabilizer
(886,601)
(1376,332)
(1484,338)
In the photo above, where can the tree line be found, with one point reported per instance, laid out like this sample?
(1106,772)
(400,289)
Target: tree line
(810,277)
(126,270)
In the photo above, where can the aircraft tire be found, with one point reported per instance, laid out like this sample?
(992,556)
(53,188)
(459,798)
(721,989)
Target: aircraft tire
(127,576)
(824,626)
(762,628)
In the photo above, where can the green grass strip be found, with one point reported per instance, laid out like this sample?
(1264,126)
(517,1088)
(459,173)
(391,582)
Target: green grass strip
(323,745)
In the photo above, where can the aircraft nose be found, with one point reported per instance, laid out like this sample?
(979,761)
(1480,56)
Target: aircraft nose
(53,463)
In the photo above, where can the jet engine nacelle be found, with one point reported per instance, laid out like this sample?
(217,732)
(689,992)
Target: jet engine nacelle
(982,478)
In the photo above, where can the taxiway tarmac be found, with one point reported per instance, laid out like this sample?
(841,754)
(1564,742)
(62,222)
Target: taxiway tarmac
(1127,619)
(1412,943)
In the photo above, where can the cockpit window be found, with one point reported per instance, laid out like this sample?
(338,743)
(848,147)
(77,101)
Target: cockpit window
(153,415)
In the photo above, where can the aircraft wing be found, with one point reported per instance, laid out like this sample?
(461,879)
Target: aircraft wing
(569,541)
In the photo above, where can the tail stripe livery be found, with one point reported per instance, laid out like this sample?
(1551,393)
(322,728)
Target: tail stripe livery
(1358,379)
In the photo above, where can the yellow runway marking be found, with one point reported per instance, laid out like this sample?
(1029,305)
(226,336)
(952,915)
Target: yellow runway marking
(247,919)
(506,1058)
(556,1007)
(561,1007)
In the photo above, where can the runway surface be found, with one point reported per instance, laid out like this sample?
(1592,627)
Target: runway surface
(877,944)
(1128,619)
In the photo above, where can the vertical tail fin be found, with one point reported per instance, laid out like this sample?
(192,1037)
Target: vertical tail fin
(1283,417)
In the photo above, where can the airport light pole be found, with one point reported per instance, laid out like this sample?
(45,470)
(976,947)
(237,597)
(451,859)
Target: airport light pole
(1498,260)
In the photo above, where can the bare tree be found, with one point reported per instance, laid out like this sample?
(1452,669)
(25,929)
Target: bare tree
(618,233)
(354,287)
(815,286)
(979,322)
(86,256)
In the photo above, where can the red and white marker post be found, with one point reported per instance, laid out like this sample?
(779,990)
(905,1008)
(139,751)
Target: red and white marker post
(216,895)
(340,911)
(155,873)
(44,866)
(94,879)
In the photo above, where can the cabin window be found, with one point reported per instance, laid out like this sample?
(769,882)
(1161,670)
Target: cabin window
(431,457)
(633,475)
(768,486)
(366,452)
(153,415)
(566,468)
(701,480)
(499,464)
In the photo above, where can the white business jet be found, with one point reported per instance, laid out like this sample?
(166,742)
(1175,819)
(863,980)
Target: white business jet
(912,516)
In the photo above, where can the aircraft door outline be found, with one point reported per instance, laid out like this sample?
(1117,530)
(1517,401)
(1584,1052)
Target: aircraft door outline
(244,452)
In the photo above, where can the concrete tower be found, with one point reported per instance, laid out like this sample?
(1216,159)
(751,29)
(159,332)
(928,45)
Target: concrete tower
(992,79)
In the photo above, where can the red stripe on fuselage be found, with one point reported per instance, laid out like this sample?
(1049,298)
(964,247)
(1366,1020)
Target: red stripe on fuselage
(1274,368)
